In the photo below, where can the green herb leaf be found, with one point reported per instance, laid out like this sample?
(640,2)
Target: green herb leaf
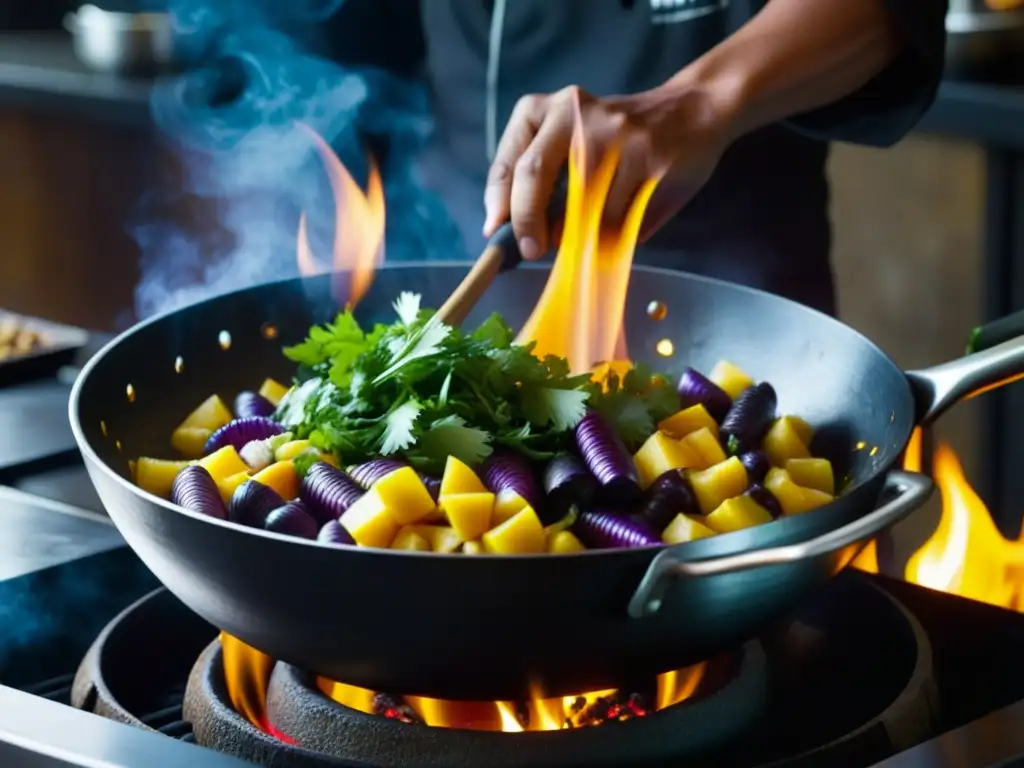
(398,434)
(451,436)
(562,408)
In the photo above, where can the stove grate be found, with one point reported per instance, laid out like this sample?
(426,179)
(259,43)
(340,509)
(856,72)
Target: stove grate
(55,689)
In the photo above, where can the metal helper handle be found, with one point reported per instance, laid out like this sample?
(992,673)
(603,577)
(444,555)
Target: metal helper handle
(913,490)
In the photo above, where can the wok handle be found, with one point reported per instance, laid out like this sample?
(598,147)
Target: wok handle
(912,491)
(995,356)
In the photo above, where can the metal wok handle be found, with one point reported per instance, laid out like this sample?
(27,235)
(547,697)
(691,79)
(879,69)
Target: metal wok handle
(995,356)
(912,489)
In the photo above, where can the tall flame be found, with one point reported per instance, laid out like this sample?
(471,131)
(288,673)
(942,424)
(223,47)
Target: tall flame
(246,676)
(358,227)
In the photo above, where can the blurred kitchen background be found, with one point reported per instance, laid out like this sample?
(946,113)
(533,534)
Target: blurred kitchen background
(929,236)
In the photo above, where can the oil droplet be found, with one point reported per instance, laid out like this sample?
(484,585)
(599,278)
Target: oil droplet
(860,446)
(130,392)
(224,339)
(103,428)
(665,348)
(269,331)
(892,417)
(117,444)
(657,310)
(179,364)
(873,451)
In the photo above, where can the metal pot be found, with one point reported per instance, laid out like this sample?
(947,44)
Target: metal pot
(981,40)
(121,43)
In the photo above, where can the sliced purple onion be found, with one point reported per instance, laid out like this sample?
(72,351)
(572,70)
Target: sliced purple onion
(506,470)
(327,492)
(750,418)
(194,489)
(252,404)
(334,532)
(765,498)
(607,459)
(369,472)
(241,431)
(757,465)
(251,502)
(695,388)
(667,497)
(600,529)
(567,483)
(292,519)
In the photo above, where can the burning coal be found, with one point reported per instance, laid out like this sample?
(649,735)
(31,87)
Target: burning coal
(239,120)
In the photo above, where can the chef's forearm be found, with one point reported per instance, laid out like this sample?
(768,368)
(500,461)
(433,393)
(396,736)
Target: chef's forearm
(794,56)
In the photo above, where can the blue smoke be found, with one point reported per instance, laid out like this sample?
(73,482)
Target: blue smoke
(233,117)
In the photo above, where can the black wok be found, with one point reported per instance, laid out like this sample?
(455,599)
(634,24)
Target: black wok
(486,627)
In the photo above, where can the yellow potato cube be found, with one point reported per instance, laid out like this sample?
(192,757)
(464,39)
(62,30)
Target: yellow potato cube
(658,455)
(227,486)
(211,414)
(783,443)
(689,420)
(190,441)
(737,513)
(564,543)
(458,478)
(794,499)
(411,541)
(157,475)
(273,390)
(282,477)
(803,430)
(288,451)
(369,521)
(704,444)
(507,504)
(730,378)
(812,473)
(468,513)
(472,548)
(520,535)
(442,538)
(714,485)
(406,496)
(224,462)
(684,528)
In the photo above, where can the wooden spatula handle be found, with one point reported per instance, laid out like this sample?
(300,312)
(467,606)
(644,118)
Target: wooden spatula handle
(500,255)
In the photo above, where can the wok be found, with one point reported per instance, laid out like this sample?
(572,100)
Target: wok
(487,627)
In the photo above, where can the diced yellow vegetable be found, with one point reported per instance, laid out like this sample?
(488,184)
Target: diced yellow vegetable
(329,459)
(803,430)
(714,485)
(507,504)
(793,498)
(227,486)
(812,473)
(468,513)
(731,378)
(737,513)
(190,441)
(658,455)
(211,414)
(564,543)
(282,477)
(783,443)
(288,451)
(157,475)
(369,521)
(704,444)
(689,420)
(519,535)
(685,528)
(273,390)
(410,540)
(814,498)
(224,462)
(441,537)
(472,548)
(132,469)
(458,478)
(405,495)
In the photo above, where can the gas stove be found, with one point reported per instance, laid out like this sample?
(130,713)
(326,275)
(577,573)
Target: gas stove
(101,665)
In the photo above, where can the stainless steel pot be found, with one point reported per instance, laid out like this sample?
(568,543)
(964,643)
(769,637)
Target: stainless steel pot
(981,40)
(121,43)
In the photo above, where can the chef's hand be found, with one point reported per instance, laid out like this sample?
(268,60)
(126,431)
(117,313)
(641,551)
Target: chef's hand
(676,134)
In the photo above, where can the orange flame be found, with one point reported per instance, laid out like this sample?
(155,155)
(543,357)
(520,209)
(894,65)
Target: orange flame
(358,226)
(246,676)
(591,270)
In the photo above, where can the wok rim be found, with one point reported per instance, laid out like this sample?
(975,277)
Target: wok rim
(93,459)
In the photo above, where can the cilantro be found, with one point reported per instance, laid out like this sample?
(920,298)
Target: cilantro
(398,434)
(562,408)
(635,404)
(451,436)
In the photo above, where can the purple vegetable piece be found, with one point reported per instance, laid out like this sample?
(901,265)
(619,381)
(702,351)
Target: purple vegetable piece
(765,498)
(668,496)
(607,459)
(433,486)
(369,472)
(757,465)
(195,490)
(251,502)
(252,404)
(334,532)
(695,388)
(750,418)
(567,482)
(327,492)
(506,470)
(241,431)
(600,529)
(292,519)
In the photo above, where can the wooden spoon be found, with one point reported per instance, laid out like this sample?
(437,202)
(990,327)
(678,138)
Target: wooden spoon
(501,255)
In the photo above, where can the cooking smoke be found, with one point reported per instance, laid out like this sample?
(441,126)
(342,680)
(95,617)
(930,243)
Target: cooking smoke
(228,218)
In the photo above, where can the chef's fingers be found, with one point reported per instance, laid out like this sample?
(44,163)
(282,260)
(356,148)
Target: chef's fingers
(632,171)
(526,119)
